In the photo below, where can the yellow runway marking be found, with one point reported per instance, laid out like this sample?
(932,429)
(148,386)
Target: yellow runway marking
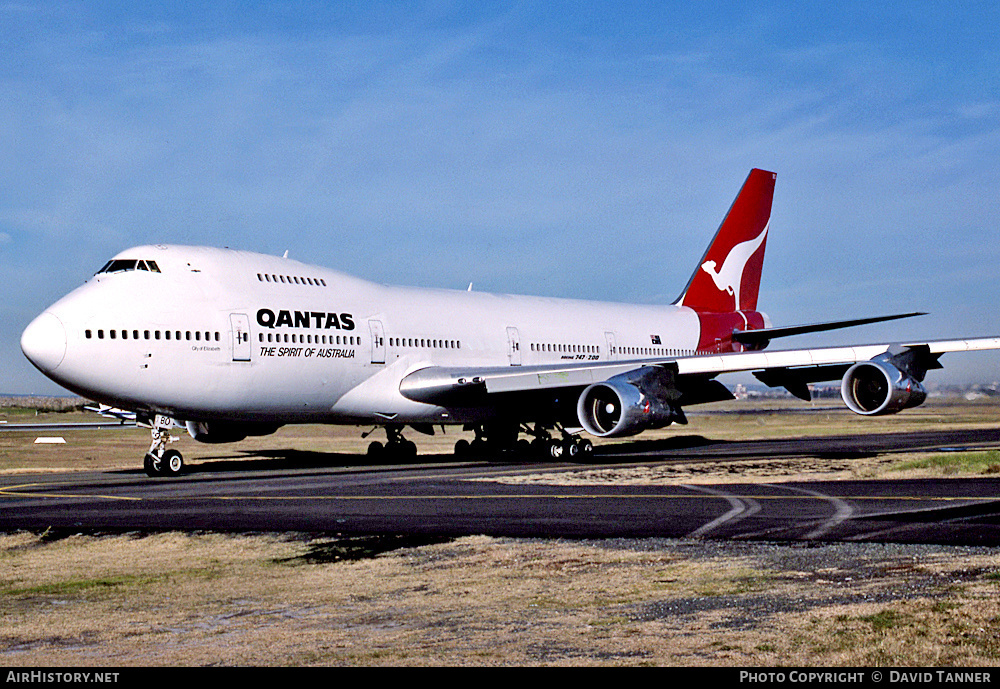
(12,491)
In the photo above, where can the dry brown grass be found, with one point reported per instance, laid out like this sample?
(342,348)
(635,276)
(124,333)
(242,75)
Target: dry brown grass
(207,599)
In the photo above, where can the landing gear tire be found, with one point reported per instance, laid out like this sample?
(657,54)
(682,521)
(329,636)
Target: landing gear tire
(573,449)
(172,463)
(397,448)
(463,448)
(152,464)
(401,451)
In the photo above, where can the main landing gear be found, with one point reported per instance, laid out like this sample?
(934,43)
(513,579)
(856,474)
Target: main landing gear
(396,448)
(493,440)
(159,461)
(567,446)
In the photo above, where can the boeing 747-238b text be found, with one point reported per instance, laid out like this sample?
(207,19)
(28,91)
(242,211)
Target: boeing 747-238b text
(229,344)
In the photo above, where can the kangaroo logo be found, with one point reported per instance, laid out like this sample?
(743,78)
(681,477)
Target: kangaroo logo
(730,277)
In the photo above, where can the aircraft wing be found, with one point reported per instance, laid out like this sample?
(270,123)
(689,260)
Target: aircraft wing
(122,415)
(765,335)
(792,368)
(123,419)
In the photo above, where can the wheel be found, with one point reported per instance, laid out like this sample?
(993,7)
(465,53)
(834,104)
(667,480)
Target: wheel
(375,449)
(555,449)
(402,450)
(571,449)
(463,448)
(152,464)
(172,463)
(586,448)
(479,447)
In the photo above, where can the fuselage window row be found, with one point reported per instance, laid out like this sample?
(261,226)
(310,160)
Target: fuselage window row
(187,335)
(656,351)
(424,342)
(291,280)
(309,339)
(565,348)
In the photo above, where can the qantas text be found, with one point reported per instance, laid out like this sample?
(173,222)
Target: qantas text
(305,319)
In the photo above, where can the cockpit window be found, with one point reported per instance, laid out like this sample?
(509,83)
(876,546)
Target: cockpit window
(118,266)
(121,265)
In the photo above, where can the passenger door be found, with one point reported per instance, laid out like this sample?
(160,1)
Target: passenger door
(612,346)
(514,346)
(240,336)
(378,341)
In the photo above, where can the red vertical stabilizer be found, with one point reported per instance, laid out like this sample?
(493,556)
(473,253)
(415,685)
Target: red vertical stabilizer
(728,276)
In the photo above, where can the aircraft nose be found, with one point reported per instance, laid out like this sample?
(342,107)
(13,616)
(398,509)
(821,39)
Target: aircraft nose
(44,342)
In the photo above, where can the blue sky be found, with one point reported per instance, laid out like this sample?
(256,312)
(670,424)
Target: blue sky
(584,149)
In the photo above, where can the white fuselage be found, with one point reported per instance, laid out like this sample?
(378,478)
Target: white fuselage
(232,335)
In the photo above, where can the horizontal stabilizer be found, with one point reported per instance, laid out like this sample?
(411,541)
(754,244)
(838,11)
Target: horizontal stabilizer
(765,335)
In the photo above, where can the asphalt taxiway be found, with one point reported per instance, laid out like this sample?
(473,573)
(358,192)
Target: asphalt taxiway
(324,493)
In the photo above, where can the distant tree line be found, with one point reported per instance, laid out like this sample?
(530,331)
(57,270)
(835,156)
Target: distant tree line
(49,404)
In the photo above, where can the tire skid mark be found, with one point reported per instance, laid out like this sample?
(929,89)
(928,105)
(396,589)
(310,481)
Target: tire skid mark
(740,508)
(842,510)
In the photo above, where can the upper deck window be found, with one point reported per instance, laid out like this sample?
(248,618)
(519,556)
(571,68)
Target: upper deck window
(289,279)
(121,265)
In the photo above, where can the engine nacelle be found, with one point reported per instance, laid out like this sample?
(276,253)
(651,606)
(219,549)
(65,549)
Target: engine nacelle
(214,432)
(874,388)
(618,408)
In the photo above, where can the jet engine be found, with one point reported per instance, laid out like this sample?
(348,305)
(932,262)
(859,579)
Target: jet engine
(875,388)
(225,431)
(618,407)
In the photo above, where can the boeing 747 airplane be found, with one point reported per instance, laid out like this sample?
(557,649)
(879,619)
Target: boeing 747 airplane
(229,344)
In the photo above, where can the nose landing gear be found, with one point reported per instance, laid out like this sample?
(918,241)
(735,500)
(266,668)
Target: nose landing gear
(159,461)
